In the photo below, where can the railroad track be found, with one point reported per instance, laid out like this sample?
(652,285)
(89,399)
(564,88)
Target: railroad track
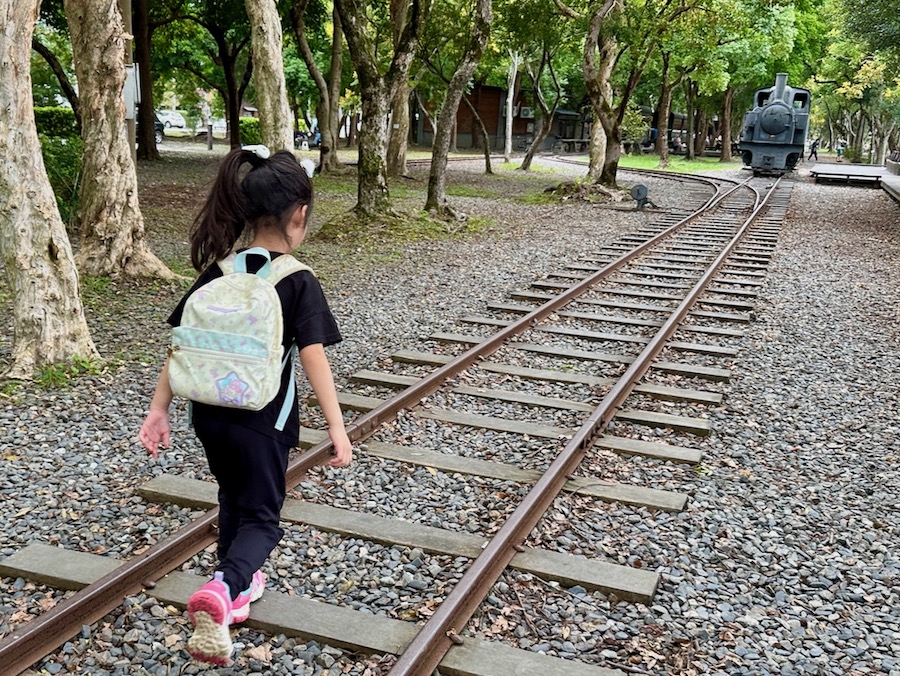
(628,339)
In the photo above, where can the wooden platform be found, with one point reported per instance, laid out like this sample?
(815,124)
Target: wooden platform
(891,184)
(849,173)
(863,174)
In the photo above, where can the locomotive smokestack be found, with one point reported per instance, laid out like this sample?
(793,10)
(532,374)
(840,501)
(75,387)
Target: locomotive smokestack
(780,83)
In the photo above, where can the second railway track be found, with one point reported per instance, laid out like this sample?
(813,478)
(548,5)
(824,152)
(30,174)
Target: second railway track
(608,354)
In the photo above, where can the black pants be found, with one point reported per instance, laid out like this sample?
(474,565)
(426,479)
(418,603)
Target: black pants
(250,469)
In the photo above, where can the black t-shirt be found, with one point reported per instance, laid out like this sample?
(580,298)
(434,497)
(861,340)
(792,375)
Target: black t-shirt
(307,321)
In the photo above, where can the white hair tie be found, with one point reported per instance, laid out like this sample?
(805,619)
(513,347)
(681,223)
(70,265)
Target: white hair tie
(261,151)
(308,166)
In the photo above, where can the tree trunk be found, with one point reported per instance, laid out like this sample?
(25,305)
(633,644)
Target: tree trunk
(376,89)
(597,154)
(725,125)
(372,192)
(328,157)
(662,113)
(514,61)
(146,136)
(700,133)
(232,102)
(613,152)
(328,111)
(399,132)
(353,122)
(689,112)
(233,93)
(275,124)
(540,134)
(662,123)
(485,137)
(597,74)
(546,112)
(110,221)
(437,180)
(48,318)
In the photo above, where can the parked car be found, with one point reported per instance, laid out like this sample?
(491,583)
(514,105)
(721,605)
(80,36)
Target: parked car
(171,118)
(158,128)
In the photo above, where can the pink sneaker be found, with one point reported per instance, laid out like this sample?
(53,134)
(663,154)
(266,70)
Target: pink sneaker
(209,609)
(240,607)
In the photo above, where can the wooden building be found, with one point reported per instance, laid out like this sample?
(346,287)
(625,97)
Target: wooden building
(490,104)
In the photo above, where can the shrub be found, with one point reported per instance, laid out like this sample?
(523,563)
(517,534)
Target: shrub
(62,158)
(250,132)
(853,155)
(56,121)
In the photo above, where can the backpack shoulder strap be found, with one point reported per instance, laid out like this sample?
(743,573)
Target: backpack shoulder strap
(284,266)
(274,271)
(237,262)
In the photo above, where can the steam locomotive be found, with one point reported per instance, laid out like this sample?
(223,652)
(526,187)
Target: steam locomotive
(774,132)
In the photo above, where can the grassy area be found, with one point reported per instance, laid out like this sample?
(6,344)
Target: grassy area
(173,189)
(679,164)
(172,192)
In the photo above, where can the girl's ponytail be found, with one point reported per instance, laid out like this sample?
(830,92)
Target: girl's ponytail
(221,221)
(265,196)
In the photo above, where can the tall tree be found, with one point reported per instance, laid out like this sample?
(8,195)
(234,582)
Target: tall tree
(48,318)
(112,228)
(146,115)
(512,77)
(598,59)
(876,23)
(617,27)
(532,29)
(328,112)
(268,65)
(377,87)
(207,39)
(446,125)
(399,132)
(863,102)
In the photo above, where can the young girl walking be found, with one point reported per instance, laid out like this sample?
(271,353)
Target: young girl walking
(248,450)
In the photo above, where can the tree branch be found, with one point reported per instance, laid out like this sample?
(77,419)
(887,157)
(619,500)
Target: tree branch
(61,76)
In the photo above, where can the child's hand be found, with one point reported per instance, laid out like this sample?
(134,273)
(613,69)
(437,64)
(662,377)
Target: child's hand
(155,430)
(343,449)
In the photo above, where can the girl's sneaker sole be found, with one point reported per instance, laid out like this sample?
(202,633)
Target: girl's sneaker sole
(211,641)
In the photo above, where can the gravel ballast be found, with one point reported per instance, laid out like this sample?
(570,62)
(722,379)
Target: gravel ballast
(784,562)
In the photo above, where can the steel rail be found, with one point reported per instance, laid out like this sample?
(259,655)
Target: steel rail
(429,646)
(27,644)
(366,425)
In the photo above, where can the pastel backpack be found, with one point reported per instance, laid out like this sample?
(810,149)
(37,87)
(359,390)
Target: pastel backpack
(227,350)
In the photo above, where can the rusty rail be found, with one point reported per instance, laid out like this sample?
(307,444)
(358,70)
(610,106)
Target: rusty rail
(425,652)
(27,644)
(366,424)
